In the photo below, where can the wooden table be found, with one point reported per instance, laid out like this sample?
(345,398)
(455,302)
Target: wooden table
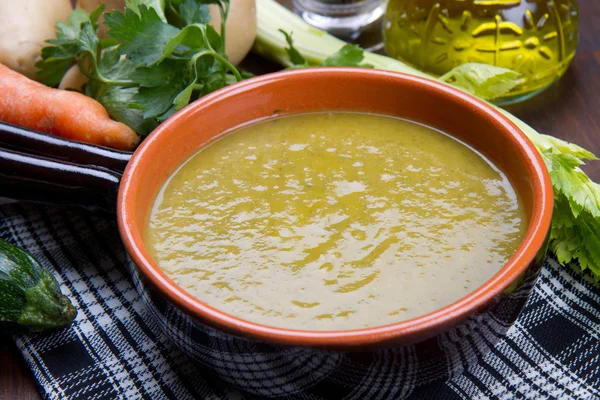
(569,110)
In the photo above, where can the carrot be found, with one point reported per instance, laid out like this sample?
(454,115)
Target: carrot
(71,115)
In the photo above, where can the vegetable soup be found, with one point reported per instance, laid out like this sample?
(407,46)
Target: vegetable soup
(334,221)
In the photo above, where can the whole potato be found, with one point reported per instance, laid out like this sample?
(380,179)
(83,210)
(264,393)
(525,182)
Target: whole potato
(240,26)
(24,27)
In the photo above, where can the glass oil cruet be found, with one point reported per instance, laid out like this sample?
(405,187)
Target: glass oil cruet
(537,38)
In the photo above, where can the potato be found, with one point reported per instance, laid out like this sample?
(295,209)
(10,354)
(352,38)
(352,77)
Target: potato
(24,27)
(240,27)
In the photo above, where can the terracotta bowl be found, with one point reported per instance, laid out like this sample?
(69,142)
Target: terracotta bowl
(384,361)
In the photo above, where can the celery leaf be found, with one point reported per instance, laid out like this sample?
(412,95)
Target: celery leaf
(484,81)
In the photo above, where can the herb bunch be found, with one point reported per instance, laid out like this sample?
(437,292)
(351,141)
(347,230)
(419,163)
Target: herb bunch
(159,56)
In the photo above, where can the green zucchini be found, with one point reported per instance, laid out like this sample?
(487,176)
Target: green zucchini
(30,298)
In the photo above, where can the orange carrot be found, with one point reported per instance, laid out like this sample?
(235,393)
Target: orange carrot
(62,113)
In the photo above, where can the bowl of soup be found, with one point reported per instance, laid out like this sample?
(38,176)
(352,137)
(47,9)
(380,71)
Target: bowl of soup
(335,232)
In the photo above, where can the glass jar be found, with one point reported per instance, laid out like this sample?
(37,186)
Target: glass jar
(356,21)
(537,38)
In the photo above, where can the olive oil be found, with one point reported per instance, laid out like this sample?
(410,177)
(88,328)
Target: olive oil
(537,38)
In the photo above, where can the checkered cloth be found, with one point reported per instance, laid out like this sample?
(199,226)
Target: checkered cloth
(115,350)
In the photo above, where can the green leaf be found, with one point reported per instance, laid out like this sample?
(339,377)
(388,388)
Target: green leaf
(166,114)
(95,14)
(211,75)
(157,100)
(569,180)
(215,41)
(119,103)
(52,72)
(157,75)
(190,39)
(348,56)
(295,57)
(70,30)
(575,232)
(161,85)
(144,34)
(88,39)
(76,36)
(485,81)
(592,247)
(157,5)
(183,98)
(223,4)
(575,239)
(194,12)
(224,11)
(571,148)
(113,67)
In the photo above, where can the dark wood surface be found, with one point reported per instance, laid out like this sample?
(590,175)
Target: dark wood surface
(569,110)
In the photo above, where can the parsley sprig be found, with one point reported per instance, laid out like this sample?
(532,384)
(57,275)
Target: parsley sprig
(159,56)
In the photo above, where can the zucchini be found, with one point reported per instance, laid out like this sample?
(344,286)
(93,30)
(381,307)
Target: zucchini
(30,298)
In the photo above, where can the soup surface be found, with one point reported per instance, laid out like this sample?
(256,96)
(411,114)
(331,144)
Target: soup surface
(334,221)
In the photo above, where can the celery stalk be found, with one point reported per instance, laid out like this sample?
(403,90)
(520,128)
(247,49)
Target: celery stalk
(575,234)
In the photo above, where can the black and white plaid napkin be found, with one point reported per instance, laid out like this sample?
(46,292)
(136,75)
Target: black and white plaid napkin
(114,350)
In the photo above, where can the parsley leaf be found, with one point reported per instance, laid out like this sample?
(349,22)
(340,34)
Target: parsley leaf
(161,84)
(142,33)
(194,12)
(74,37)
(115,68)
(119,102)
(53,67)
(157,5)
(171,82)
